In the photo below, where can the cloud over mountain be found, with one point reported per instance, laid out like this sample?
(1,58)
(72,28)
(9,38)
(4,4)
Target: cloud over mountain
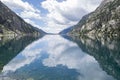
(60,13)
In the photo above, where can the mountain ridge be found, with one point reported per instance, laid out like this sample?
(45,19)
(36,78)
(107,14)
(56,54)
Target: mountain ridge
(11,23)
(104,21)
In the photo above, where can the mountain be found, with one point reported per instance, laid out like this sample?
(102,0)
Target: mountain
(65,31)
(42,33)
(10,23)
(104,21)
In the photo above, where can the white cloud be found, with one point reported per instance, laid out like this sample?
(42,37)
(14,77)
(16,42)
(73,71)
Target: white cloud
(32,23)
(19,4)
(68,12)
(30,15)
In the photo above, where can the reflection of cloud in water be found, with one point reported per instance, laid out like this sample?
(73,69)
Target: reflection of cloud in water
(61,52)
(74,58)
(33,51)
(25,58)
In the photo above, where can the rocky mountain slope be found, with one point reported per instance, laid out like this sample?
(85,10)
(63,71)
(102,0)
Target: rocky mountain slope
(10,23)
(104,21)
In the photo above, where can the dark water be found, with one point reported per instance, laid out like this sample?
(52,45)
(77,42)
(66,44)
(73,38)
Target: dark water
(56,58)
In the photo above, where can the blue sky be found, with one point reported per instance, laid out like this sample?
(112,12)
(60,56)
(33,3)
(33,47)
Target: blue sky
(52,15)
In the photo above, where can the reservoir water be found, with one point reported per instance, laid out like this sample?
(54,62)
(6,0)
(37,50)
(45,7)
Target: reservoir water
(53,57)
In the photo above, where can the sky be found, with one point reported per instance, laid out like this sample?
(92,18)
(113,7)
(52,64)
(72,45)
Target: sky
(52,16)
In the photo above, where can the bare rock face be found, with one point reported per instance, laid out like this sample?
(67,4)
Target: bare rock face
(105,20)
(10,23)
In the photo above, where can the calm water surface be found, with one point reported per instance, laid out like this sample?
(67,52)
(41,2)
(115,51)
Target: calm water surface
(53,57)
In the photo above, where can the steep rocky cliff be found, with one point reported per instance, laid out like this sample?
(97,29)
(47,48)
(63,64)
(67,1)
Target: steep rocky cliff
(10,23)
(104,21)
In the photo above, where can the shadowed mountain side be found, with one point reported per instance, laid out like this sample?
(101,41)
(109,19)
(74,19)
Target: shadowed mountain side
(10,48)
(65,31)
(11,23)
(105,51)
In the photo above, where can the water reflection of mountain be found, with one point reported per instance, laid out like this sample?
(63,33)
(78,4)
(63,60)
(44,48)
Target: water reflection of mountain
(105,51)
(53,58)
(34,62)
(10,47)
